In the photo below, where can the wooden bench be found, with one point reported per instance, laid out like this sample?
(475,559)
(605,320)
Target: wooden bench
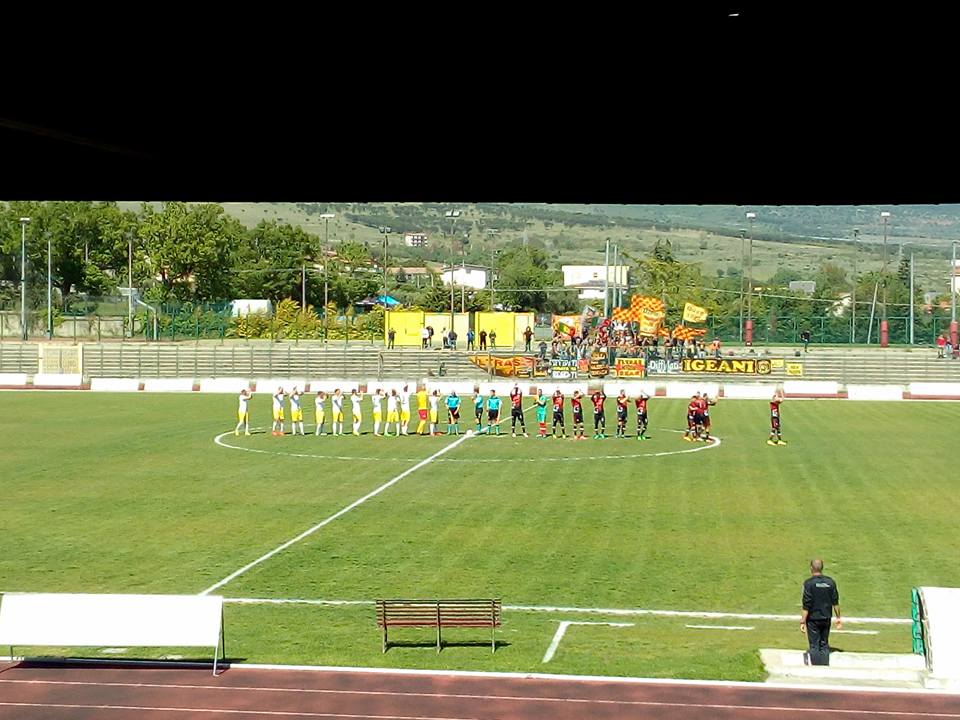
(439,614)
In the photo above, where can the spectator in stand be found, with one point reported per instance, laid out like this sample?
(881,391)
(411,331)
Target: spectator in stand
(391,336)
(941,344)
(470,337)
(424,338)
(453,339)
(949,348)
(430,335)
(444,338)
(483,339)
(493,339)
(715,347)
(805,339)
(527,338)
(543,349)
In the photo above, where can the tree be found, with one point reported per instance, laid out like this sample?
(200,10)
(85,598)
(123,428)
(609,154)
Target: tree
(271,262)
(189,249)
(524,274)
(352,276)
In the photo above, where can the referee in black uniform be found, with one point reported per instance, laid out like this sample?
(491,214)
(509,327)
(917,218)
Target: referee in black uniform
(820,602)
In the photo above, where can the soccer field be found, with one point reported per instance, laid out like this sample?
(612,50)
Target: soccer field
(131,493)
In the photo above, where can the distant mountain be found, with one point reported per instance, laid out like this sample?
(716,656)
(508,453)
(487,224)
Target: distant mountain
(926,224)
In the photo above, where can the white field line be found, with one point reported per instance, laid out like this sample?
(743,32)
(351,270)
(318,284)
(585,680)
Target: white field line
(549,677)
(765,709)
(700,614)
(707,446)
(562,629)
(257,713)
(720,627)
(344,511)
(858,632)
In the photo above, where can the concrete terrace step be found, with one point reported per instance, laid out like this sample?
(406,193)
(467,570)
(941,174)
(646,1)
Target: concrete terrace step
(869,669)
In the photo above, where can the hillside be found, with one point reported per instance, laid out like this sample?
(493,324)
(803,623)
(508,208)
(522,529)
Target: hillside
(792,237)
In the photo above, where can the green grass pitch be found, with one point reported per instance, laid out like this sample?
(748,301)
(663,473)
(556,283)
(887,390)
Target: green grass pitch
(129,493)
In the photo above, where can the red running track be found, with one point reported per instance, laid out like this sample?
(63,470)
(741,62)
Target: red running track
(58,692)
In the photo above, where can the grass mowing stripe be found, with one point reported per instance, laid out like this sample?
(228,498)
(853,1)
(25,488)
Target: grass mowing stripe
(344,511)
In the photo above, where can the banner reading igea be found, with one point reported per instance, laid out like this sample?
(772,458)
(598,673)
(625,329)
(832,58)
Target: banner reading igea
(727,366)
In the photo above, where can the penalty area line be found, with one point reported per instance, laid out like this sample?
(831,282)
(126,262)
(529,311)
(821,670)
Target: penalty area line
(356,503)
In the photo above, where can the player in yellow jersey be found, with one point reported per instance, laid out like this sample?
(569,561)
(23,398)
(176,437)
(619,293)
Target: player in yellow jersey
(336,414)
(377,399)
(404,398)
(422,409)
(355,397)
(278,412)
(296,412)
(392,415)
(243,415)
(318,407)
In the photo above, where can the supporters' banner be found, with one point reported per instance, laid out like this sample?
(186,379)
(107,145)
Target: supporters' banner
(794,369)
(639,304)
(694,313)
(650,322)
(599,364)
(727,366)
(663,366)
(513,366)
(630,367)
(682,332)
(541,368)
(563,369)
(566,324)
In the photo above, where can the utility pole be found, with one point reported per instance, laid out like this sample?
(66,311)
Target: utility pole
(606,280)
(853,301)
(326,299)
(24,221)
(452,215)
(49,289)
(385,231)
(743,273)
(911,297)
(130,281)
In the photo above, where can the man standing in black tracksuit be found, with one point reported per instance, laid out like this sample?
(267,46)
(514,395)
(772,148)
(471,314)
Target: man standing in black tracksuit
(820,602)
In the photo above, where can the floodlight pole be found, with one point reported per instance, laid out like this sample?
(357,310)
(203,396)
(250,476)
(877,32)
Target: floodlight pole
(49,289)
(326,300)
(751,216)
(24,221)
(853,301)
(452,215)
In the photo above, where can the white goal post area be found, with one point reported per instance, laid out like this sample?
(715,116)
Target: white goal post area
(89,620)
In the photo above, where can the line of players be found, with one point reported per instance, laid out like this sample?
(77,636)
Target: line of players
(398,413)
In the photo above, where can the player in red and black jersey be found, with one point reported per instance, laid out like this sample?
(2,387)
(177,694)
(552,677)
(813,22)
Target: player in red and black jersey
(622,402)
(775,438)
(516,412)
(576,402)
(599,420)
(693,412)
(641,403)
(558,414)
(705,403)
